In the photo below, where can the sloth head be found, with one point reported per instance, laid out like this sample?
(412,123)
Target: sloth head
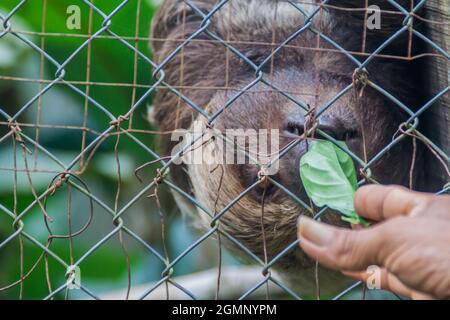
(233,67)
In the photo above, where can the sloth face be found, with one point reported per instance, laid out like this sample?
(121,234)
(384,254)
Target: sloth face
(210,75)
(365,124)
(349,119)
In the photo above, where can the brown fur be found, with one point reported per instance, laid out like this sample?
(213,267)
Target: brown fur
(311,76)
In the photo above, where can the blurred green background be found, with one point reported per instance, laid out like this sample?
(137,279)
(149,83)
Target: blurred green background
(60,113)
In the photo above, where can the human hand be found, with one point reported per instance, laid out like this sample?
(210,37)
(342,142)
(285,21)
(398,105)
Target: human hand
(410,241)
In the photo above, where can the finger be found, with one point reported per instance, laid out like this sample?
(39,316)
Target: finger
(378,202)
(437,206)
(338,248)
(384,280)
(387,281)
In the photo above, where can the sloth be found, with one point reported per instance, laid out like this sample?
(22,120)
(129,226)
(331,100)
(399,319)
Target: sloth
(218,62)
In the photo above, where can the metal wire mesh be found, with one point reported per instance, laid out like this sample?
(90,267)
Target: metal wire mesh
(68,177)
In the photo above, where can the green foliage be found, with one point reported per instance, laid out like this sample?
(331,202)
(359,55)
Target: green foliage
(329,177)
(110,68)
(105,61)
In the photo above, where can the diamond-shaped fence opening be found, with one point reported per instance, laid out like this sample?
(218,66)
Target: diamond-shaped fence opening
(87,183)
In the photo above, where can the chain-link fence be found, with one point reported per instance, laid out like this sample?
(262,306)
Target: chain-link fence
(31,131)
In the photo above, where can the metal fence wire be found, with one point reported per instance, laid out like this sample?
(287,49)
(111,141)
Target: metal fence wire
(20,135)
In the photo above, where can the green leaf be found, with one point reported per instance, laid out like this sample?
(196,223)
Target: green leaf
(329,177)
(346,163)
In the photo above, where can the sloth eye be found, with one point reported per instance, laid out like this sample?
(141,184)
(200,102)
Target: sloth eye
(295,128)
(258,57)
(341,134)
(350,134)
(255,57)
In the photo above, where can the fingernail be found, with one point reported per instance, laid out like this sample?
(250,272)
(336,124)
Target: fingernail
(314,231)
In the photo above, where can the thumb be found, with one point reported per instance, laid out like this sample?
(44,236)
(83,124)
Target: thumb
(337,248)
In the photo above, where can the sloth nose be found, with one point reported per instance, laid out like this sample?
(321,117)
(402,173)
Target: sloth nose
(334,128)
(331,126)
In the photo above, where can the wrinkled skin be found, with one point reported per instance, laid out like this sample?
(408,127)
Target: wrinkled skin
(407,242)
(366,122)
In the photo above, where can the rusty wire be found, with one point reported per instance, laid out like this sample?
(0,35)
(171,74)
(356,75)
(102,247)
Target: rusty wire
(70,178)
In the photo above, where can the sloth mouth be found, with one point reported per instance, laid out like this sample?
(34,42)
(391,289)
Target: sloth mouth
(266,190)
